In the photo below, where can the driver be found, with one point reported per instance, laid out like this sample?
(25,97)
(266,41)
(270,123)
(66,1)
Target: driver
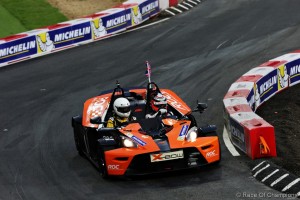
(122,113)
(159,107)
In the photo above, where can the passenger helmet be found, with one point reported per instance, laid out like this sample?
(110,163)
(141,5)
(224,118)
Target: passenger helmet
(122,107)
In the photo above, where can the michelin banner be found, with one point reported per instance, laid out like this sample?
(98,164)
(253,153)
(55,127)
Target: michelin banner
(143,11)
(110,24)
(265,88)
(17,49)
(149,9)
(237,135)
(293,72)
(62,37)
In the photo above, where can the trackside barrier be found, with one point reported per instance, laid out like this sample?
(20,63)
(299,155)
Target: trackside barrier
(76,32)
(247,131)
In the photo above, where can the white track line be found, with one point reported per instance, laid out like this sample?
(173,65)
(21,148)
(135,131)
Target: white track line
(176,9)
(198,1)
(147,25)
(274,172)
(278,180)
(228,143)
(222,44)
(192,2)
(170,12)
(290,185)
(262,169)
(185,3)
(182,6)
(298,194)
(254,168)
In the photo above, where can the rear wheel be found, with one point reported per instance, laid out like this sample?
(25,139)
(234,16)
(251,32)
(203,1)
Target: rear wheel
(77,128)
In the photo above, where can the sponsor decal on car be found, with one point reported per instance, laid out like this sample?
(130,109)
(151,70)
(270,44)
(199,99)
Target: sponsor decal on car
(183,132)
(167,156)
(136,139)
(113,167)
(211,154)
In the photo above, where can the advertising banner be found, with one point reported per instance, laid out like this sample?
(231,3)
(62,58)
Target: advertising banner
(62,37)
(266,87)
(293,71)
(149,8)
(251,99)
(237,135)
(17,49)
(136,15)
(109,24)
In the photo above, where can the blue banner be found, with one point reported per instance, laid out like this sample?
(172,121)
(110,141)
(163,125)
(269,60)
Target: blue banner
(266,86)
(149,8)
(251,100)
(63,37)
(117,21)
(237,135)
(18,49)
(70,35)
(293,70)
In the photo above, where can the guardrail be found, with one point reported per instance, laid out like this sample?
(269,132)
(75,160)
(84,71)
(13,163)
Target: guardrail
(247,131)
(76,32)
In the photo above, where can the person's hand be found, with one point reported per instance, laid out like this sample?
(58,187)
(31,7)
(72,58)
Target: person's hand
(162,111)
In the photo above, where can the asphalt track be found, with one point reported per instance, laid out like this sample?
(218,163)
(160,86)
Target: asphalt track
(198,54)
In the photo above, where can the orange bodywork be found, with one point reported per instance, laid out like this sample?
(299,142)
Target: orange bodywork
(207,146)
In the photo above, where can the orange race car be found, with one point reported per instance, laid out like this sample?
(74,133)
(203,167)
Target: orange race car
(143,145)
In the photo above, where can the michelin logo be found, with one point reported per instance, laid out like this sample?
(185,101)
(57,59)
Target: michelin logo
(136,15)
(46,46)
(149,8)
(72,35)
(283,77)
(256,96)
(118,21)
(295,70)
(268,85)
(17,49)
(100,30)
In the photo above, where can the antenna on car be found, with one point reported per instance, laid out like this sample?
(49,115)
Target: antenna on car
(148,72)
(118,84)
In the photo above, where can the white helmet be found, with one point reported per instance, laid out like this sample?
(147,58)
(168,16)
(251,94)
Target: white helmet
(122,107)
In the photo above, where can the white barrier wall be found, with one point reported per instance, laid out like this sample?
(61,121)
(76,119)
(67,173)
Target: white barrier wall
(68,34)
(247,131)
(163,4)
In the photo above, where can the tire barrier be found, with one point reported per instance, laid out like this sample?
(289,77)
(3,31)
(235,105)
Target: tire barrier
(247,131)
(76,32)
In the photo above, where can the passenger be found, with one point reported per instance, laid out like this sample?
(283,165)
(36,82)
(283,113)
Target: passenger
(122,113)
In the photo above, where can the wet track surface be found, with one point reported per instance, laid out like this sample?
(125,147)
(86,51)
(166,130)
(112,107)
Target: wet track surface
(198,54)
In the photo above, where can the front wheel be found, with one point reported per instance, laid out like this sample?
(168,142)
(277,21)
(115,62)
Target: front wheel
(102,165)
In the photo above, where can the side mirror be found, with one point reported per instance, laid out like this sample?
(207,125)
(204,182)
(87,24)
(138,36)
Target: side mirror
(208,129)
(96,120)
(201,107)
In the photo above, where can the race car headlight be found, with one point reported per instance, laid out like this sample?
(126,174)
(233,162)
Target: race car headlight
(128,143)
(192,135)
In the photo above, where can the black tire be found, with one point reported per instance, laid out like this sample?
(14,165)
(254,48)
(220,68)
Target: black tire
(102,165)
(78,148)
(76,124)
(77,142)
